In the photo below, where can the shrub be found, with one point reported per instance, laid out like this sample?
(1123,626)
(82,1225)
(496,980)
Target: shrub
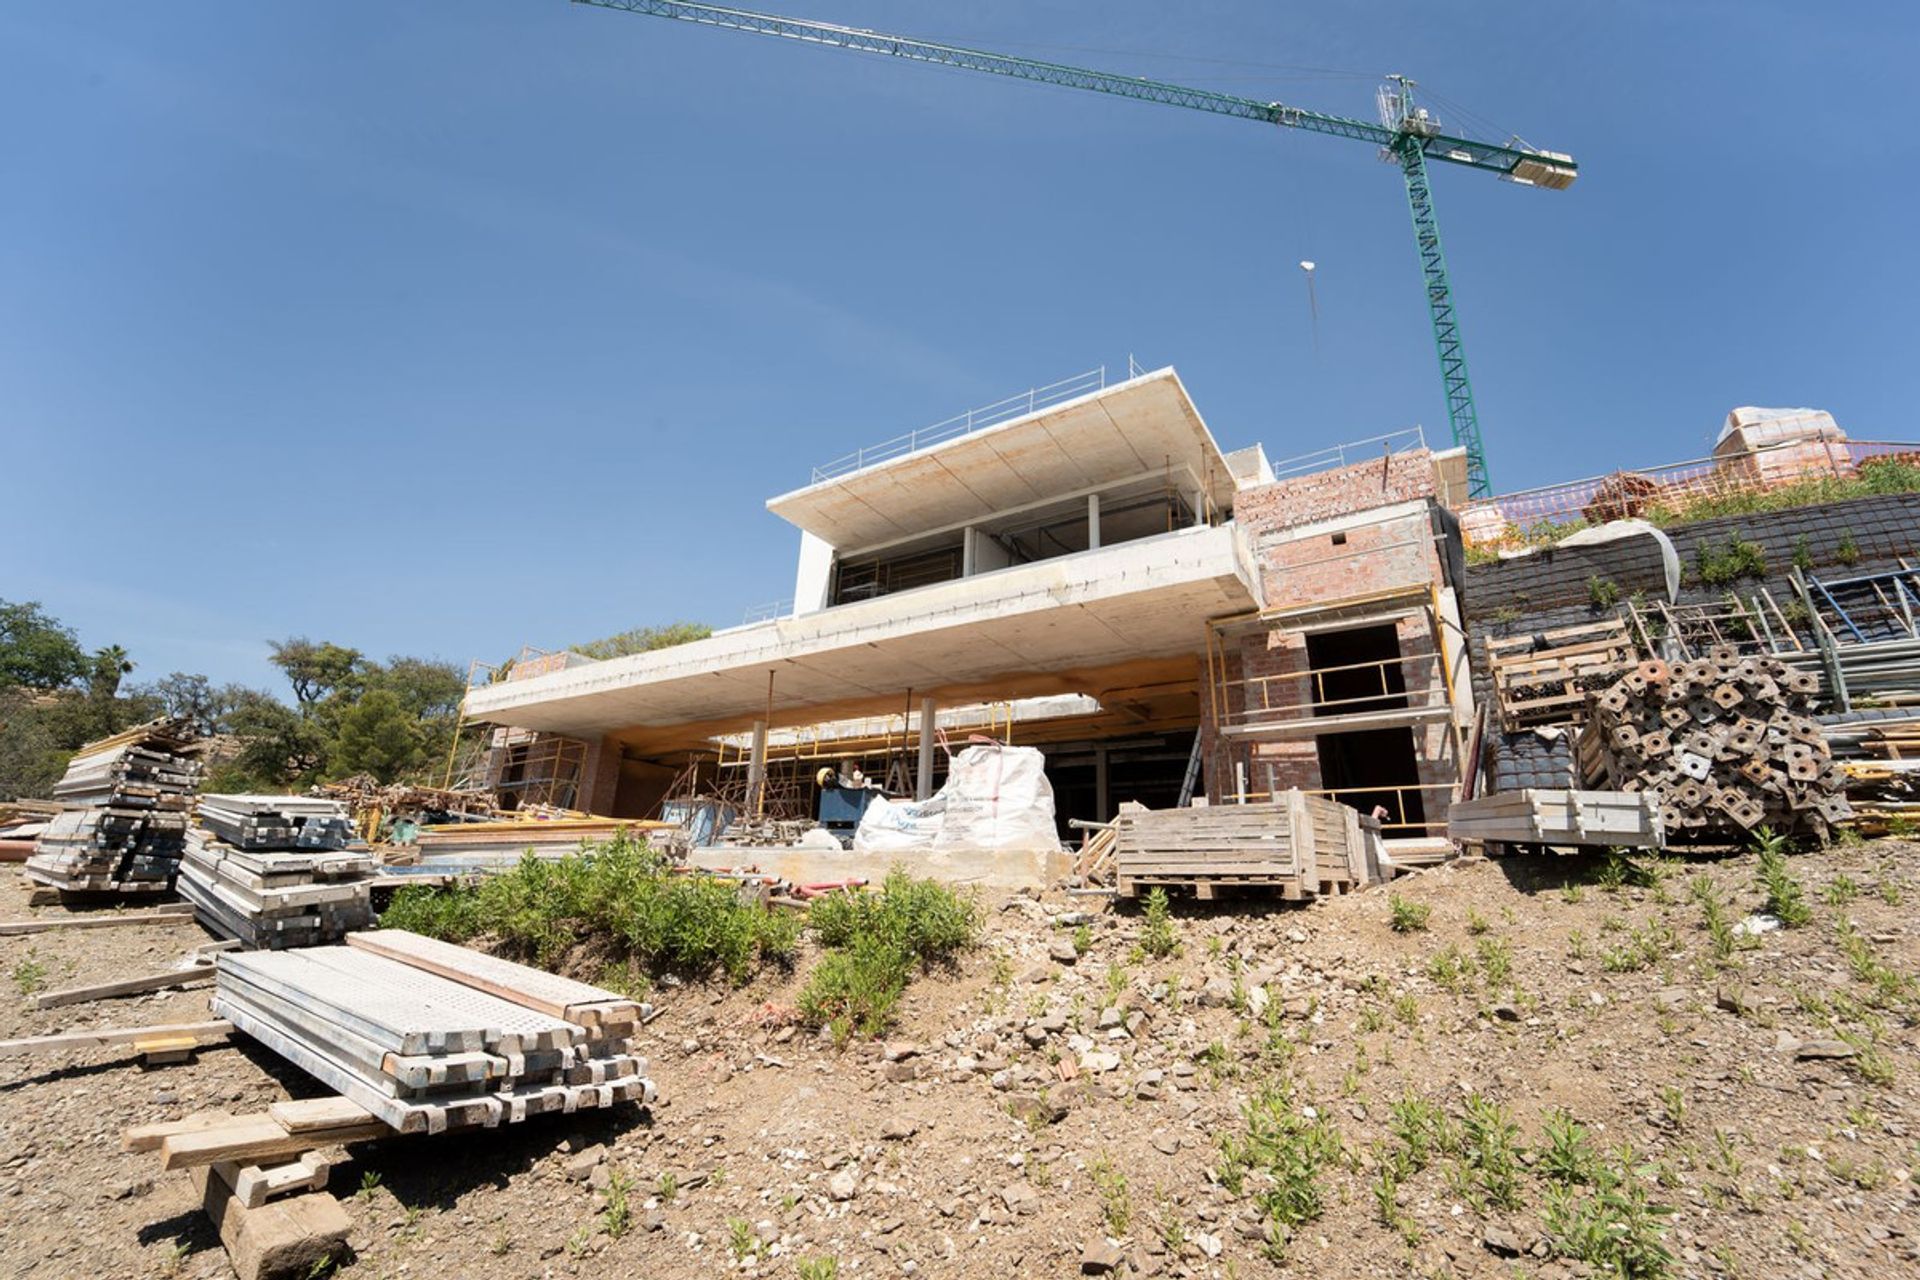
(1602,593)
(874,941)
(619,892)
(1729,561)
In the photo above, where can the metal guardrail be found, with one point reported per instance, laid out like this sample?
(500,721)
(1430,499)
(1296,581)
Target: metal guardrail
(770,609)
(961,424)
(1531,515)
(1341,455)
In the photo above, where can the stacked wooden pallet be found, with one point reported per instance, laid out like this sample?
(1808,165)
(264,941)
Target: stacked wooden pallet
(1541,816)
(125,833)
(1544,679)
(277,898)
(1723,743)
(428,1036)
(276,822)
(1302,845)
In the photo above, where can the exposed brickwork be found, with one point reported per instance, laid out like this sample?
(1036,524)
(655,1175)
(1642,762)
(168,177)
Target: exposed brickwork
(1321,495)
(1266,673)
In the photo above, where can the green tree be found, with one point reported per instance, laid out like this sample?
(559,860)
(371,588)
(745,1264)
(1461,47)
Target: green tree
(644,640)
(377,736)
(36,650)
(108,667)
(316,671)
(279,747)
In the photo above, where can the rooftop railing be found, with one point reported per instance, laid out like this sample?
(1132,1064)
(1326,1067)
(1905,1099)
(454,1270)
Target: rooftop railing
(1014,406)
(1341,455)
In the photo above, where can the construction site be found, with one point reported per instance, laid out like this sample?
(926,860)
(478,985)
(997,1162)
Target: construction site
(1122,855)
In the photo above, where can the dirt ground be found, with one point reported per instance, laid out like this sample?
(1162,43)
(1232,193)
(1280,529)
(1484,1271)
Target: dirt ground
(959,1147)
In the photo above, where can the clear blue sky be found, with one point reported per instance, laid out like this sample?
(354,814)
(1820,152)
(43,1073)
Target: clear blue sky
(445,326)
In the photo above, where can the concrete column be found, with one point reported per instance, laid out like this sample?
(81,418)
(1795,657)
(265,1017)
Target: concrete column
(1102,800)
(923,781)
(1199,500)
(966,552)
(757,767)
(1093,528)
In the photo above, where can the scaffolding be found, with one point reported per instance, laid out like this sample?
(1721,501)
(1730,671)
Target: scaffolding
(1253,714)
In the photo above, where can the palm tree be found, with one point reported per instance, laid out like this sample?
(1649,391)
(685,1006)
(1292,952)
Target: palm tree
(109,664)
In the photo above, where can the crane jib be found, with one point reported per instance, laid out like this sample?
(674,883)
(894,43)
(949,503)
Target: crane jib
(1408,136)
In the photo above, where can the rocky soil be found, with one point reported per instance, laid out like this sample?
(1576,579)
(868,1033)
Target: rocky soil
(1058,1106)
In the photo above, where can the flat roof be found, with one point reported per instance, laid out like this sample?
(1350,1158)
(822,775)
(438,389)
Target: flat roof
(985,634)
(1142,426)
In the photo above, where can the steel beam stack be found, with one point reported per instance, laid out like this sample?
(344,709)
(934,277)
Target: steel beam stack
(129,823)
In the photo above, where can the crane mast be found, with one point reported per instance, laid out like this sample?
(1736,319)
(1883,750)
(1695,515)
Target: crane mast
(1406,134)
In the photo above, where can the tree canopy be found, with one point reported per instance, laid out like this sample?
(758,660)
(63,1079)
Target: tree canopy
(350,714)
(36,651)
(644,640)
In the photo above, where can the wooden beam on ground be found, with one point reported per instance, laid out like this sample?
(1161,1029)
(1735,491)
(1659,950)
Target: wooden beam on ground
(124,987)
(203,1033)
(165,915)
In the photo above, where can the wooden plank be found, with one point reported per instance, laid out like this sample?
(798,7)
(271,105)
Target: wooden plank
(252,1139)
(304,1115)
(203,1032)
(162,916)
(124,987)
(519,984)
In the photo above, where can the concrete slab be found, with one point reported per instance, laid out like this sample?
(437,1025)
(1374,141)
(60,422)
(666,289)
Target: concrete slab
(977,868)
(1145,425)
(1138,600)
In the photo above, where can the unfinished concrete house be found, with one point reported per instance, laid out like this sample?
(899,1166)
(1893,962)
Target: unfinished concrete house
(1085,571)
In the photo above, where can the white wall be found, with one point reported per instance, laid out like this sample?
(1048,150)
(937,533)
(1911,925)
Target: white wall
(814,577)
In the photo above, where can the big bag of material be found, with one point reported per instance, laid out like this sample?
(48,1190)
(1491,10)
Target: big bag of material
(997,798)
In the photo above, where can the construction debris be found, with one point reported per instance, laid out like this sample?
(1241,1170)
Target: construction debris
(1541,816)
(427,1036)
(1545,678)
(277,895)
(1723,743)
(125,834)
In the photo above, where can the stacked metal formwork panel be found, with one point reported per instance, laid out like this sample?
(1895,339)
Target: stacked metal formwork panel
(128,824)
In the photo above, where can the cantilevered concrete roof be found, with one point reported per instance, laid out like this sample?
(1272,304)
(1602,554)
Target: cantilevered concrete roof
(1141,426)
(981,635)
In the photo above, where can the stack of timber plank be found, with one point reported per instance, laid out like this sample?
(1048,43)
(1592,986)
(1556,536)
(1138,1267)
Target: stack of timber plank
(1537,815)
(1725,743)
(1301,845)
(125,833)
(428,1036)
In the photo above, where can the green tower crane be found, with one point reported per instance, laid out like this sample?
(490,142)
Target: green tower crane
(1406,134)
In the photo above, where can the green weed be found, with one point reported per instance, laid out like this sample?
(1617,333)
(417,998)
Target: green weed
(1158,938)
(1408,916)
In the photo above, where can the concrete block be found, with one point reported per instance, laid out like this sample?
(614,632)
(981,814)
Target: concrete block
(280,1239)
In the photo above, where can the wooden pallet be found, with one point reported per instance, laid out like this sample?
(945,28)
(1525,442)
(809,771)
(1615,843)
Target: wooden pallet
(1549,685)
(1302,845)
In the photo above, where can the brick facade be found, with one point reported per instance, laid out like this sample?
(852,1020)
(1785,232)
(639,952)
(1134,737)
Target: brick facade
(1332,536)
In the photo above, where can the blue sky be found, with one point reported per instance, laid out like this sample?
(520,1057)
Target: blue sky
(449,326)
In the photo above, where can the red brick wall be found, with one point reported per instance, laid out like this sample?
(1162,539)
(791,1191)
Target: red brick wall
(1321,495)
(1297,567)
